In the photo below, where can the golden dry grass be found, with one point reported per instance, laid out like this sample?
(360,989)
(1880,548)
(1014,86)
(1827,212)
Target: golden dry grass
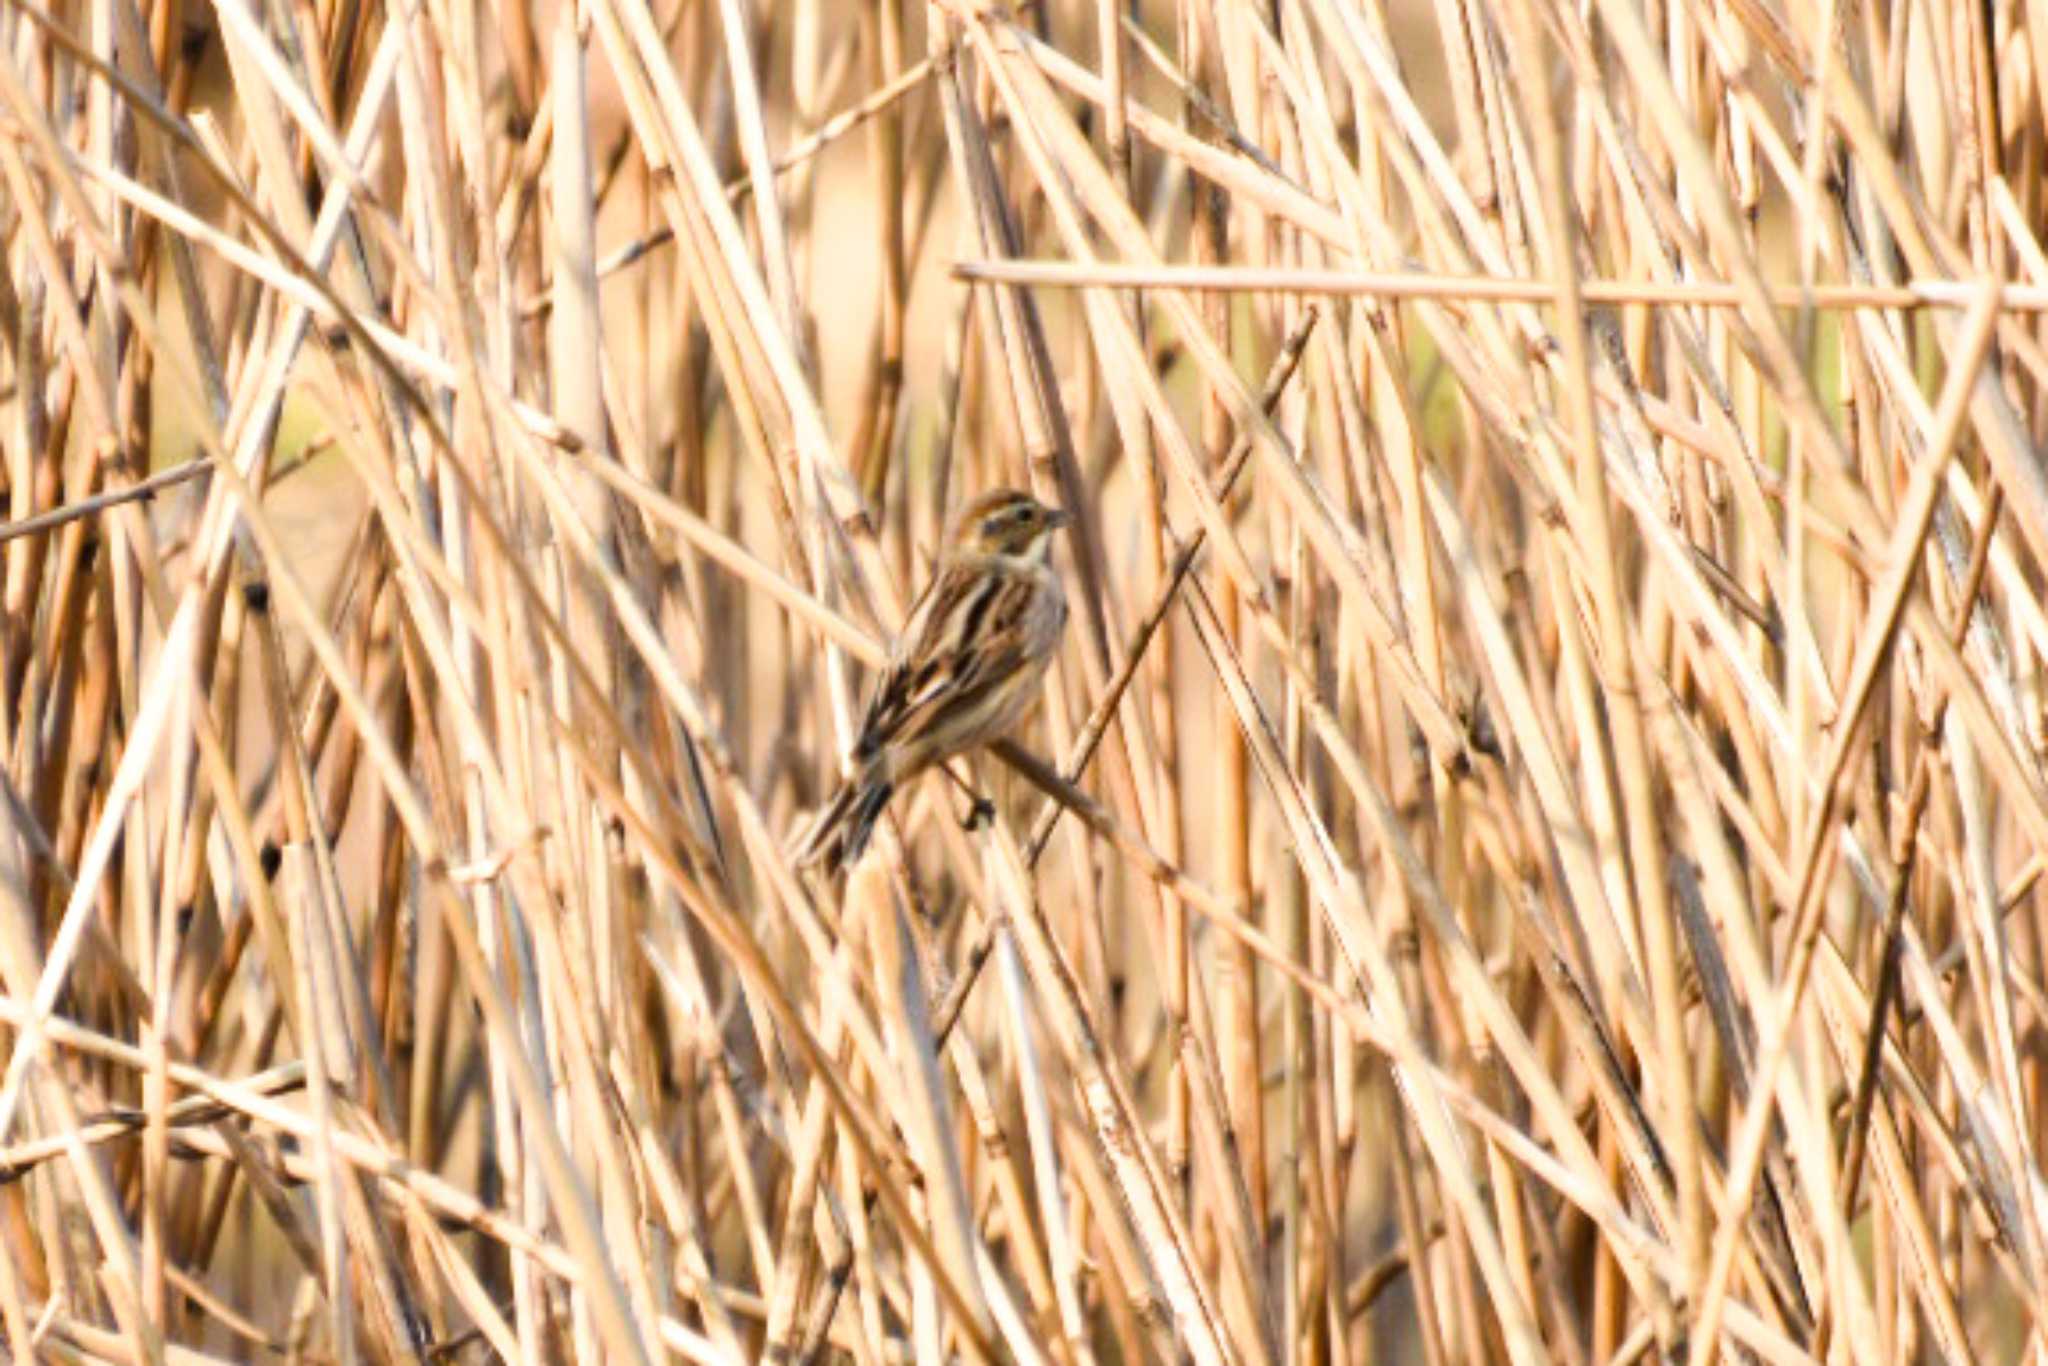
(1530,851)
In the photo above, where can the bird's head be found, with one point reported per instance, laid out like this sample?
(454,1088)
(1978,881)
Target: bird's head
(1006,522)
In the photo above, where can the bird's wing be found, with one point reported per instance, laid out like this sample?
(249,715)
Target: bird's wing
(960,641)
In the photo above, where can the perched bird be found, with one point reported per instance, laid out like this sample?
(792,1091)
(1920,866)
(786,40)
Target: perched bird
(964,669)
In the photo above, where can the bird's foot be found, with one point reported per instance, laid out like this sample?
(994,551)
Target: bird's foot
(981,814)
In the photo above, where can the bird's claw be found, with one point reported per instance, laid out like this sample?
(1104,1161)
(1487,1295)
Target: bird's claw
(981,814)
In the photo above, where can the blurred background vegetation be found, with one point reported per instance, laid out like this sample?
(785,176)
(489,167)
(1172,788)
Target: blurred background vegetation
(1530,848)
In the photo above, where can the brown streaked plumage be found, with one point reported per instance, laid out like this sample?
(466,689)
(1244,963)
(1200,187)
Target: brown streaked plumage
(965,667)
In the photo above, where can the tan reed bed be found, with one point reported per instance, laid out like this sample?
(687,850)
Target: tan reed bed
(1530,849)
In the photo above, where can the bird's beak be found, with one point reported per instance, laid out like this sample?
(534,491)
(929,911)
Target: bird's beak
(1055,518)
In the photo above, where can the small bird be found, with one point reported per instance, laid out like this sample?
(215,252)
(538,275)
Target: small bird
(964,668)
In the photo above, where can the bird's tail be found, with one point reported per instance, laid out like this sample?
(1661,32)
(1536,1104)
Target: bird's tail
(841,831)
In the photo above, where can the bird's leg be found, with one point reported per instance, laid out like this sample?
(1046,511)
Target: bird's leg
(980,810)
